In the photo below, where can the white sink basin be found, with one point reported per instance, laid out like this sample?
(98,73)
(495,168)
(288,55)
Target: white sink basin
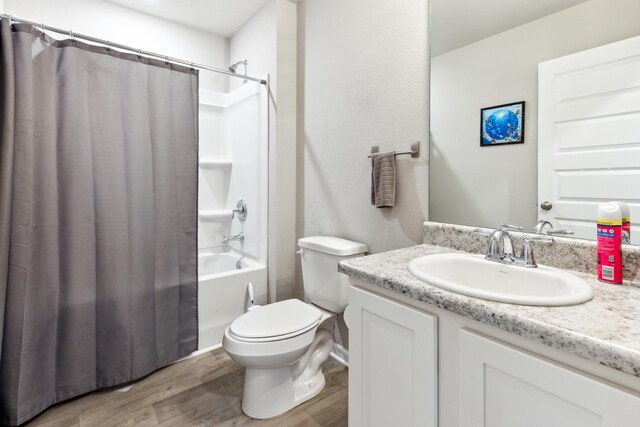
(474,276)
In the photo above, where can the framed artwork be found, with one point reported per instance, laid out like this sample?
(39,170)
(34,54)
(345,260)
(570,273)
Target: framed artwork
(502,124)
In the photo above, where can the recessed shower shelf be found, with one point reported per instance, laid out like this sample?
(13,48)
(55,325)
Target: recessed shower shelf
(215,164)
(218,215)
(212,104)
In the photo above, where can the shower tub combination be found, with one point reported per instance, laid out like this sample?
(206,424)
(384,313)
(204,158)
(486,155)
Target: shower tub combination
(222,292)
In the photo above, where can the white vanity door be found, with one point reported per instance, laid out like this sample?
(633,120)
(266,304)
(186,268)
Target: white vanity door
(501,386)
(392,363)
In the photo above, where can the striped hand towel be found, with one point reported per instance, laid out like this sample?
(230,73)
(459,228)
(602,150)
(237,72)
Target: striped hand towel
(383,179)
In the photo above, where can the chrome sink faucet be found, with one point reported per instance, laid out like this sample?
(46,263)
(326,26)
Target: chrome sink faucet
(542,226)
(506,254)
(545,227)
(238,237)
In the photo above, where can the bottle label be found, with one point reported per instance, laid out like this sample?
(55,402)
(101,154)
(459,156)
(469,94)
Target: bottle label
(609,250)
(626,229)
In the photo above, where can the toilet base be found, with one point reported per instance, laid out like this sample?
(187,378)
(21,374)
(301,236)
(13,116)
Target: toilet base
(310,389)
(268,393)
(273,391)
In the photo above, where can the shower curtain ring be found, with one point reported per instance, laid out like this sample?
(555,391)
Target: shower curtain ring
(139,54)
(107,45)
(42,28)
(73,37)
(166,61)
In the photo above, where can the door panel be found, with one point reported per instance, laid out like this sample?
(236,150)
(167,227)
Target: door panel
(502,386)
(392,363)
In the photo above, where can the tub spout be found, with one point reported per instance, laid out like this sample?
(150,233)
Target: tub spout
(238,237)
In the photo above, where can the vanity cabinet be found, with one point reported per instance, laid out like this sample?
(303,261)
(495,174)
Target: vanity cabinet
(483,378)
(501,386)
(392,363)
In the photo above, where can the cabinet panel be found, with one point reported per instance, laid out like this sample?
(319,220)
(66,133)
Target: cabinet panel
(392,369)
(504,386)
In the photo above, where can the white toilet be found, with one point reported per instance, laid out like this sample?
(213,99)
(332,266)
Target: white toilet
(283,345)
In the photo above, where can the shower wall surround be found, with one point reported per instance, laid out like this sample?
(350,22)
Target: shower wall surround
(233,166)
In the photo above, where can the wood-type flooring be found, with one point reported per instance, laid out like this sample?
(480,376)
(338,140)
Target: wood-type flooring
(201,391)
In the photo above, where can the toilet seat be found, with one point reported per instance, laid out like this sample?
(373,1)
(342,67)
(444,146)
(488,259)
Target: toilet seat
(274,322)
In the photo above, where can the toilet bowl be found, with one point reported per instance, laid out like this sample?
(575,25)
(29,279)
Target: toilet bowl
(282,370)
(283,345)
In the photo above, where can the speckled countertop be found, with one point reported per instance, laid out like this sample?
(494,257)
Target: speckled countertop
(605,329)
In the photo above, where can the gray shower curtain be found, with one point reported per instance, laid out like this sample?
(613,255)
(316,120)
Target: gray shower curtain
(98,211)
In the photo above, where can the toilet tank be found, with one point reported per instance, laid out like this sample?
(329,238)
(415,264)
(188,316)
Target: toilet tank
(323,285)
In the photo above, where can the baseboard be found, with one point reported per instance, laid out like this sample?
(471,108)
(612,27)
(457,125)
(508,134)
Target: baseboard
(199,352)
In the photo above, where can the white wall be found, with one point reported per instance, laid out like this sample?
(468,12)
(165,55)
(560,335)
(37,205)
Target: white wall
(256,42)
(121,25)
(284,155)
(492,185)
(363,67)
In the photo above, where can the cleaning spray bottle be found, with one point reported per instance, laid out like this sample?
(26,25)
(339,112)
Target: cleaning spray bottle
(609,228)
(626,221)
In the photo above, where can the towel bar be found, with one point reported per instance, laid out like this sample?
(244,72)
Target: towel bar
(415,150)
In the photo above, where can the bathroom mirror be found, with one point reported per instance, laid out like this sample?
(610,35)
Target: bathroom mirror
(486,54)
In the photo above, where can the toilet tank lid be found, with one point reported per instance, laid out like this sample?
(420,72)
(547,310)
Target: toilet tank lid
(332,245)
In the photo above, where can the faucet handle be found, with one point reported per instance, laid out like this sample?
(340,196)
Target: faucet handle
(527,258)
(538,238)
(560,232)
(482,232)
(511,227)
(240,210)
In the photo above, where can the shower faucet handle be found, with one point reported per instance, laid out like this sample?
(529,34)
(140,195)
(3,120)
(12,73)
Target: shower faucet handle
(240,210)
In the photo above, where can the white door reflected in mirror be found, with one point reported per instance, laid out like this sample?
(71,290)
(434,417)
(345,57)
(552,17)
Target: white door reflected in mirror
(588,135)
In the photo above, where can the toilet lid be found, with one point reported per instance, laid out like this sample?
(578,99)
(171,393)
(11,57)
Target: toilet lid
(273,320)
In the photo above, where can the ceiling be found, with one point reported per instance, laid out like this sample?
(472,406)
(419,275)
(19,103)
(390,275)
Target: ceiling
(222,17)
(456,23)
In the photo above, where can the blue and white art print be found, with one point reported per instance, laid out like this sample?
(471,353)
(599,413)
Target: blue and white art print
(502,124)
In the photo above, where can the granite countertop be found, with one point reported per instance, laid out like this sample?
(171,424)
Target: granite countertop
(605,330)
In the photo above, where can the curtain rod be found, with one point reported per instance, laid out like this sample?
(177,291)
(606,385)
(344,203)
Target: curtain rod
(109,44)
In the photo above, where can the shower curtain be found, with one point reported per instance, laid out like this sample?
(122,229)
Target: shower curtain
(98,211)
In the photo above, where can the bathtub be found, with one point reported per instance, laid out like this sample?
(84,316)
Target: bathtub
(222,292)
